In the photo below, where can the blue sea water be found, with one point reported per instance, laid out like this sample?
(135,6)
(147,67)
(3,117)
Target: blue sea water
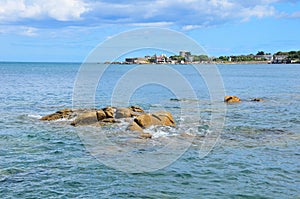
(257,155)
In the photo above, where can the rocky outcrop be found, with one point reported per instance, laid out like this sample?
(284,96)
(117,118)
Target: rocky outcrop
(231,99)
(88,118)
(143,121)
(136,109)
(100,115)
(109,112)
(61,114)
(133,126)
(136,117)
(126,112)
(162,118)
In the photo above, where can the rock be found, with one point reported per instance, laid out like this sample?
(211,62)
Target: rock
(100,115)
(136,109)
(109,112)
(87,118)
(146,120)
(257,100)
(108,115)
(110,120)
(231,99)
(165,117)
(146,135)
(65,113)
(123,113)
(133,126)
(162,118)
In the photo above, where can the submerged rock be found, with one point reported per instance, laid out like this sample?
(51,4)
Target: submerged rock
(231,99)
(257,100)
(146,135)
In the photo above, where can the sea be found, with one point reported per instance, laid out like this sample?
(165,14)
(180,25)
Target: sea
(255,154)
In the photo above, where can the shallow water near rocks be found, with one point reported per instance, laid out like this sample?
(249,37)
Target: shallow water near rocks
(256,156)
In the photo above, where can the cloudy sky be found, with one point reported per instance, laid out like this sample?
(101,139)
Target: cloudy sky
(67,30)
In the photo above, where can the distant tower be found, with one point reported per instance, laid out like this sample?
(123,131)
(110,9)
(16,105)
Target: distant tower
(182,53)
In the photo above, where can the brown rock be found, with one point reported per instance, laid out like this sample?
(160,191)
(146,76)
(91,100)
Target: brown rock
(146,135)
(165,117)
(146,120)
(231,99)
(133,126)
(110,120)
(109,112)
(65,113)
(136,109)
(123,113)
(100,115)
(162,118)
(86,118)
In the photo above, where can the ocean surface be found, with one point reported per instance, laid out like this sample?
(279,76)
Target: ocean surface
(256,156)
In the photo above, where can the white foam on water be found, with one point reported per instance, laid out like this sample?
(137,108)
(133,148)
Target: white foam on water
(157,133)
(34,116)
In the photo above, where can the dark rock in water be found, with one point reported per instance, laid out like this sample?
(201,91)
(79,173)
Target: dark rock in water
(231,99)
(175,99)
(87,118)
(65,113)
(257,100)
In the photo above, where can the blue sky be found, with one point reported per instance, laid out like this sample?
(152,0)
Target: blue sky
(67,30)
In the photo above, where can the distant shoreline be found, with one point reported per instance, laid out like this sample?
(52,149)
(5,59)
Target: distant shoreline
(120,63)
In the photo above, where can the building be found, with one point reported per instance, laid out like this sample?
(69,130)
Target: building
(281,59)
(130,60)
(187,56)
(267,57)
(184,53)
(160,59)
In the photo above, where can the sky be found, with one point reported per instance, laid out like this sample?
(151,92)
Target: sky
(68,30)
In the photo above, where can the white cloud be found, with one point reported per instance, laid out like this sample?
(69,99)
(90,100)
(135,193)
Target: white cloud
(191,27)
(295,15)
(153,24)
(258,11)
(186,14)
(19,30)
(61,10)
(29,31)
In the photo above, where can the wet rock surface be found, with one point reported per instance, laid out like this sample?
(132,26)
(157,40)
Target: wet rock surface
(135,116)
(231,99)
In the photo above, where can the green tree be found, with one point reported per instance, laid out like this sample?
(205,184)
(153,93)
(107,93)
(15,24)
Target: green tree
(260,53)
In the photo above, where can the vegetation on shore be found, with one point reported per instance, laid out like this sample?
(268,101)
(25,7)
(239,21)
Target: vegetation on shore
(185,57)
